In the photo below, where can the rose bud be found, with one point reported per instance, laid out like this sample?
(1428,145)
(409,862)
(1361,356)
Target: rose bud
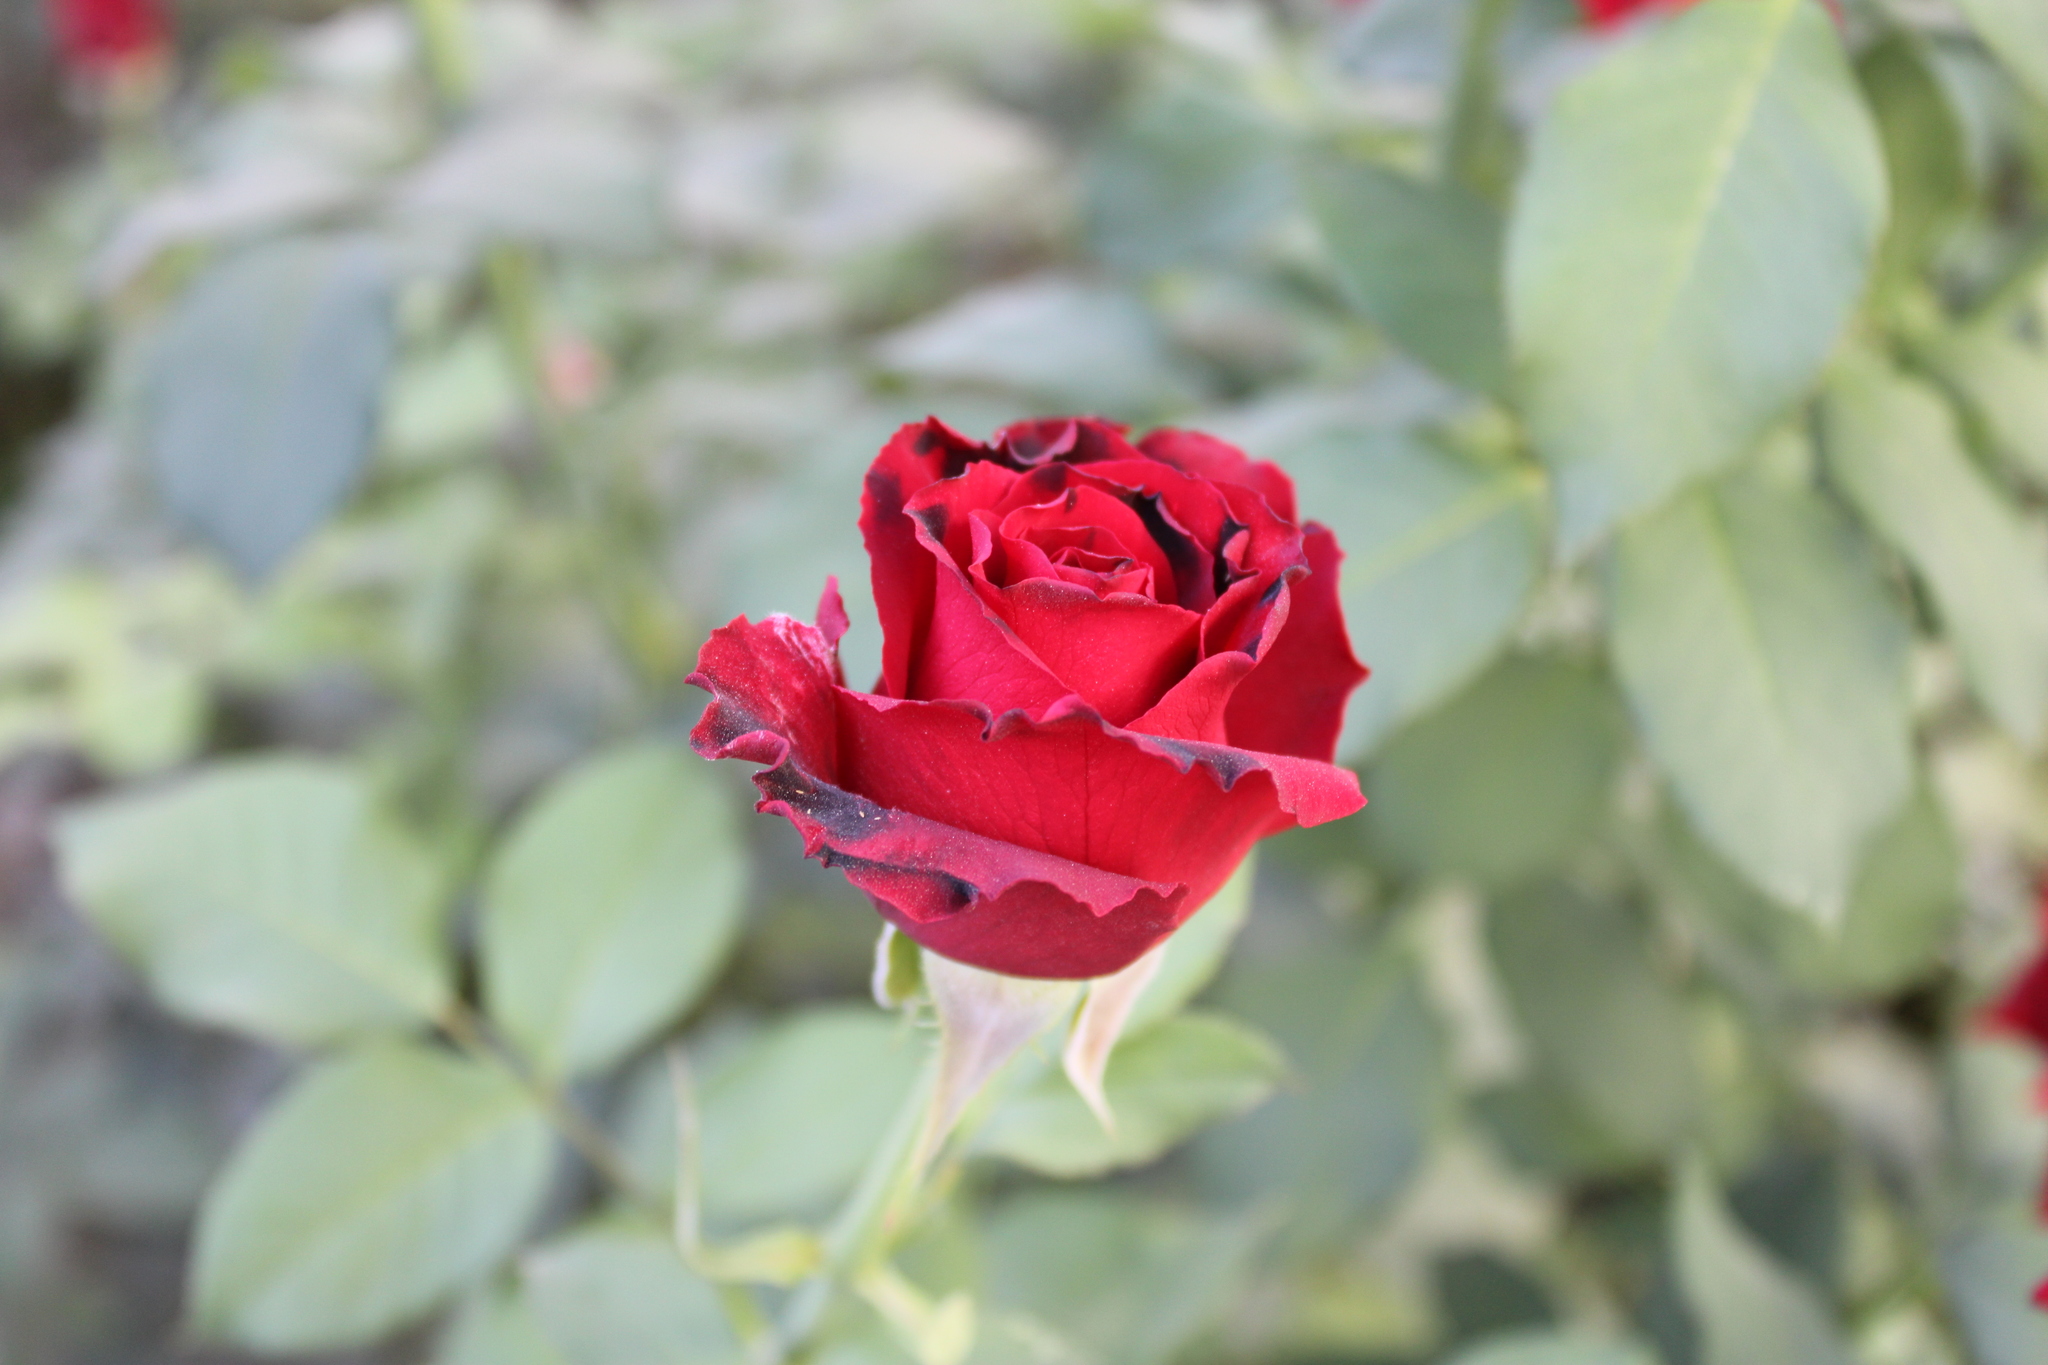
(1108,669)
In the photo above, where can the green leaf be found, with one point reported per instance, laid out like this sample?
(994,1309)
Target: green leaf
(1504,780)
(2001,378)
(1747,1307)
(1696,221)
(1925,155)
(1893,447)
(1902,910)
(1345,1141)
(1552,1348)
(1440,555)
(1164,1085)
(617,1294)
(1990,1271)
(383,1181)
(2017,32)
(610,906)
(1121,1277)
(845,1068)
(494,1325)
(1604,1021)
(1189,171)
(1197,949)
(1766,668)
(1423,261)
(263,392)
(268,895)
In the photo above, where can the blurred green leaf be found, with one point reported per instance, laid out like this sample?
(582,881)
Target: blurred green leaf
(450,402)
(1057,339)
(1343,1143)
(1422,260)
(1126,1280)
(1926,162)
(844,1068)
(268,895)
(1552,1348)
(1990,1271)
(1696,220)
(1164,1085)
(1766,669)
(578,178)
(1892,445)
(1605,1021)
(1440,555)
(2001,377)
(610,905)
(263,392)
(1747,1308)
(384,1179)
(1197,949)
(1503,781)
(494,1325)
(1902,909)
(2017,32)
(615,1294)
(1190,170)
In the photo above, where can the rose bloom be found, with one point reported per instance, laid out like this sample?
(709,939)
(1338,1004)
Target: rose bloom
(102,36)
(2023,1009)
(1109,668)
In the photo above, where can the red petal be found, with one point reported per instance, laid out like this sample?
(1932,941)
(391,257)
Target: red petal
(1208,458)
(1118,653)
(902,571)
(2023,1009)
(1293,702)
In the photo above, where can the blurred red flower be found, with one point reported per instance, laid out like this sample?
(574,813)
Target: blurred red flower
(2023,1009)
(1606,13)
(101,36)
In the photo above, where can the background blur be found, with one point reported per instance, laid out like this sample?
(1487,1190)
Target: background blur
(423,410)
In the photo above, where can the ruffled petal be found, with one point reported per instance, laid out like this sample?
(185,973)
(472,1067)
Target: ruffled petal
(1208,458)
(1293,702)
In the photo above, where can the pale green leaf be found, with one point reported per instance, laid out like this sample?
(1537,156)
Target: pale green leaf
(494,1325)
(1926,160)
(1990,1271)
(2017,31)
(266,894)
(610,905)
(1440,555)
(1502,781)
(617,1294)
(1604,1021)
(1694,225)
(845,1068)
(384,1180)
(264,389)
(1893,447)
(1767,671)
(1747,1307)
(1421,260)
(2000,375)
(1163,1085)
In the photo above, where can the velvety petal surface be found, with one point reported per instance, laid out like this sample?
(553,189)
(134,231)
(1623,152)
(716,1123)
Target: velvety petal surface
(1293,702)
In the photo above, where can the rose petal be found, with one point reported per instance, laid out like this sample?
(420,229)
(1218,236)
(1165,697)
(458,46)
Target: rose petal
(1119,653)
(1208,458)
(1293,702)
(902,571)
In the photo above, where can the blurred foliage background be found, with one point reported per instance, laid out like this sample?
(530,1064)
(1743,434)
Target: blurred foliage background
(384,422)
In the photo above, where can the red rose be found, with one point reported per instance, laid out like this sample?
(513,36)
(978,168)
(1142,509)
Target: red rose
(2023,1009)
(1108,670)
(98,36)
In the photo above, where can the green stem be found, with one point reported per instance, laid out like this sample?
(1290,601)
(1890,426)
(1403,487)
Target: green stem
(590,1141)
(871,1216)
